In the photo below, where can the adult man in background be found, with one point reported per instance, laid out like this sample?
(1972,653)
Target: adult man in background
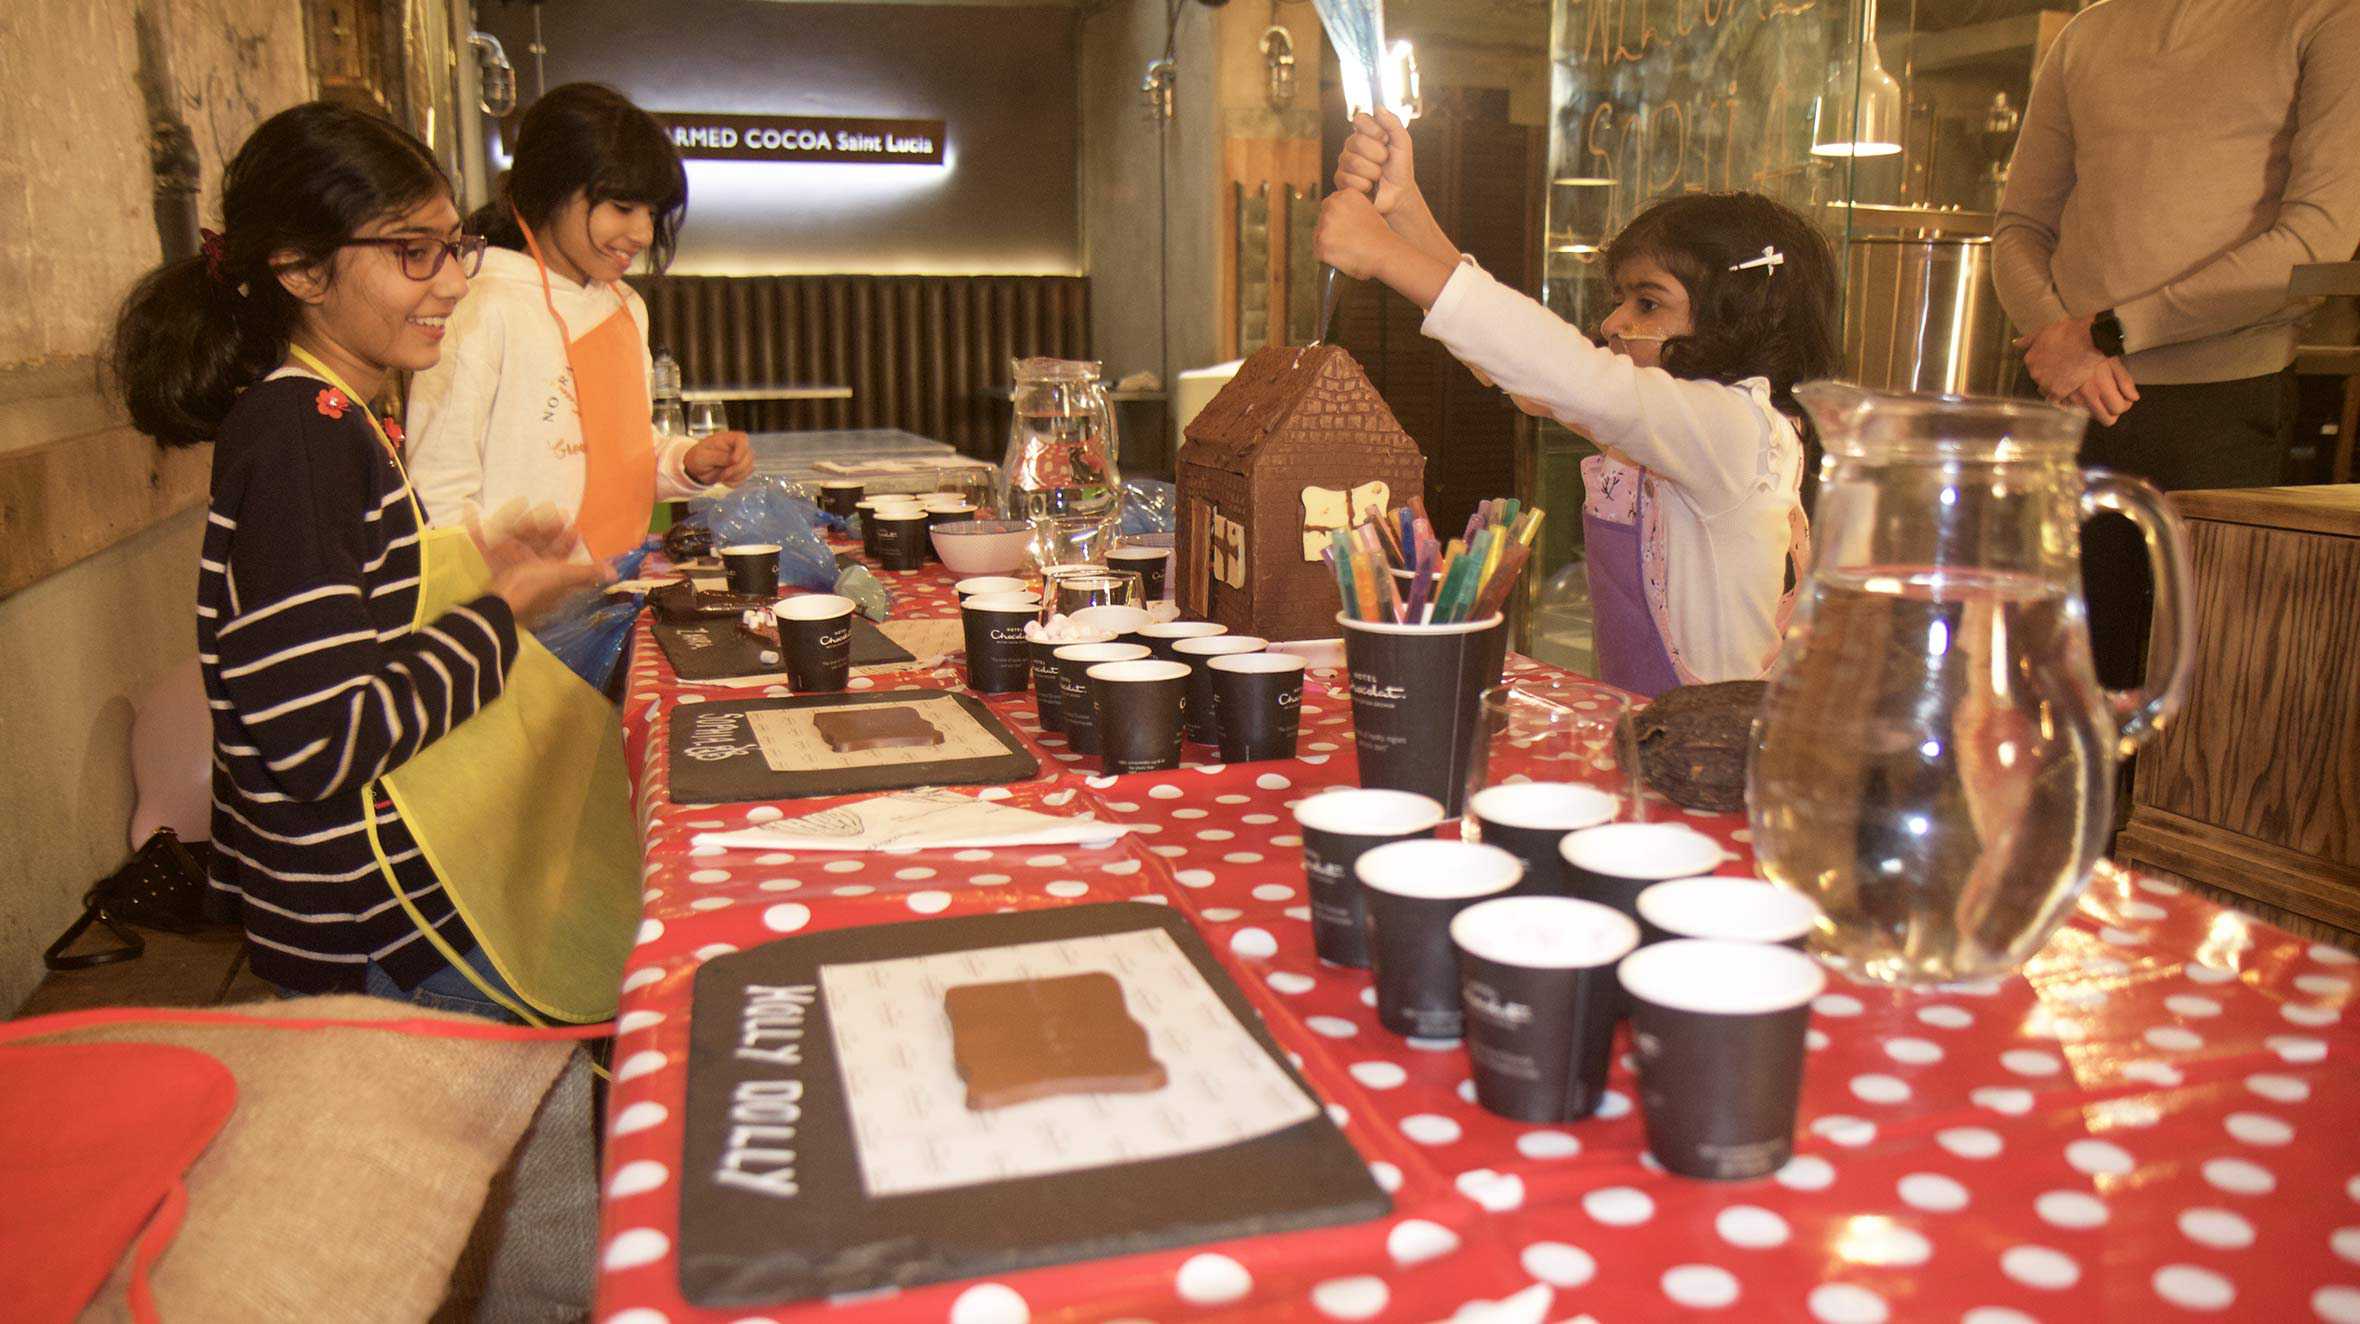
(2178,159)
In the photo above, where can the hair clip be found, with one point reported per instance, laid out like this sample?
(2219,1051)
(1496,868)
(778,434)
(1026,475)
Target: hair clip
(1771,259)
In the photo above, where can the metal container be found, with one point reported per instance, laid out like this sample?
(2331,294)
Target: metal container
(1921,314)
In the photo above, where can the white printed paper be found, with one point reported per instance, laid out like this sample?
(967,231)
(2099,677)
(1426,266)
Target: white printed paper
(931,818)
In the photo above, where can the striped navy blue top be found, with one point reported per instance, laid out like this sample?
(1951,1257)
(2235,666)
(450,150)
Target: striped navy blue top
(319,685)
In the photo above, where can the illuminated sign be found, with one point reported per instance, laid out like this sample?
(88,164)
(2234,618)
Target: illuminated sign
(806,138)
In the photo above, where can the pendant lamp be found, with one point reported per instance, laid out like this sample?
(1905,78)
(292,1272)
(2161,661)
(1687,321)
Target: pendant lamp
(1859,111)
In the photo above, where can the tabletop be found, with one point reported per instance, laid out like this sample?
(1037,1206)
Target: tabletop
(2155,1120)
(810,391)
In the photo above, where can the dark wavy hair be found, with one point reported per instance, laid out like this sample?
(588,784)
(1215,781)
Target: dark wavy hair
(588,139)
(193,334)
(1776,322)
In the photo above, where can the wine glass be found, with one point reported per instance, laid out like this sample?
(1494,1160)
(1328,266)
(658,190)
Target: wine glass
(706,417)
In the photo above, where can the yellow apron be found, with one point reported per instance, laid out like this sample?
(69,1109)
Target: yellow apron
(523,810)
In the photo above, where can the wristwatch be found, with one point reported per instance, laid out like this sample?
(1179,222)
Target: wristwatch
(2106,333)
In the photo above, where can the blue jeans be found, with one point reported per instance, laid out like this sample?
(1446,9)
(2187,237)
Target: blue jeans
(448,990)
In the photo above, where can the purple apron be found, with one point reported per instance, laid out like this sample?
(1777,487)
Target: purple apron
(1631,655)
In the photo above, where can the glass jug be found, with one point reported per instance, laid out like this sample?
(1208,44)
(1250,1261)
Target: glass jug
(1935,762)
(1059,474)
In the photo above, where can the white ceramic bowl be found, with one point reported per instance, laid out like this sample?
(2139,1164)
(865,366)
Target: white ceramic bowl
(982,546)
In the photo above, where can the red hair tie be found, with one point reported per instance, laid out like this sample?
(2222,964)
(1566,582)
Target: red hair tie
(216,251)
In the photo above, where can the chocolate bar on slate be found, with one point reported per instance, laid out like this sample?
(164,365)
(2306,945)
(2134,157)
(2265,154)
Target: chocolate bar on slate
(1024,1039)
(850,730)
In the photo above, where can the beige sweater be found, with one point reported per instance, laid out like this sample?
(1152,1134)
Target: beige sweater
(2179,158)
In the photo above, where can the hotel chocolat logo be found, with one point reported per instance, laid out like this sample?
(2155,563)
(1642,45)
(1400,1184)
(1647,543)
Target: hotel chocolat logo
(803,138)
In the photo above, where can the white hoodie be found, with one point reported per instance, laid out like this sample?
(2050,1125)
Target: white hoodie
(495,417)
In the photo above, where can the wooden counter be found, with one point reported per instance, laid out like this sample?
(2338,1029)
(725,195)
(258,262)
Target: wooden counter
(2255,789)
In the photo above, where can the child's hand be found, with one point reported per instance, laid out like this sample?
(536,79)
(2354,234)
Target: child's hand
(1376,161)
(533,586)
(1351,236)
(724,457)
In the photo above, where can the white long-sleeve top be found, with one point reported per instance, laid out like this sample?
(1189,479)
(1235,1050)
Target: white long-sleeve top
(495,417)
(1724,468)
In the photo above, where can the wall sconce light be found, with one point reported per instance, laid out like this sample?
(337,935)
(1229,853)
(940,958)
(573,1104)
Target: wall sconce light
(1278,63)
(495,77)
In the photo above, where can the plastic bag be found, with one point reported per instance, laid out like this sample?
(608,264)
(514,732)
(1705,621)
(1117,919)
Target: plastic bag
(1150,505)
(771,509)
(589,633)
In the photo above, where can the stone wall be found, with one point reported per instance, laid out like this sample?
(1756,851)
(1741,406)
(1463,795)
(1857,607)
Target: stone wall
(77,228)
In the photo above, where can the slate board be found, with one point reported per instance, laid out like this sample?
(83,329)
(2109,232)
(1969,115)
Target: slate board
(743,1247)
(719,650)
(730,769)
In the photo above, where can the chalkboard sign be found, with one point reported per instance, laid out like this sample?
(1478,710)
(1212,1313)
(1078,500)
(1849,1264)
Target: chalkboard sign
(752,750)
(719,650)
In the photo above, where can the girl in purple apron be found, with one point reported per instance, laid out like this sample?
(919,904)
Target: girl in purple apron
(1693,519)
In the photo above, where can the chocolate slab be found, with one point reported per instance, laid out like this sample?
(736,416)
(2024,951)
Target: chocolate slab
(715,759)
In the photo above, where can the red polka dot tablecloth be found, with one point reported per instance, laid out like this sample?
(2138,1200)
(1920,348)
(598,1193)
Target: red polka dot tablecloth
(2159,1119)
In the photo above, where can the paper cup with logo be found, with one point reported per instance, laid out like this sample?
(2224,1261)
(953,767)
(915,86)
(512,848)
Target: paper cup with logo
(1077,694)
(1339,826)
(1138,714)
(1613,863)
(1126,622)
(1552,729)
(1048,699)
(997,660)
(1727,909)
(1197,710)
(901,539)
(978,586)
(815,632)
(1718,1029)
(841,497)
(1257,705)
(752,568)
(1529,820)
(1415,693)
(1152,564)
(1161,637)
(1536,974)
(1413,890)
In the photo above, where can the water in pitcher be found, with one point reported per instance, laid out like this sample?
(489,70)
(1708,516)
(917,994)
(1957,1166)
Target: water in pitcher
(1934,768)
(1061,480)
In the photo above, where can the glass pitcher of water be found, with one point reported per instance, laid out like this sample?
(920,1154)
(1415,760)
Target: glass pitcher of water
(1059,473)
(1935,763)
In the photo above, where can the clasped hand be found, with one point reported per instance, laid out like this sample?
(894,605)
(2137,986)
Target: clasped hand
(2066,365)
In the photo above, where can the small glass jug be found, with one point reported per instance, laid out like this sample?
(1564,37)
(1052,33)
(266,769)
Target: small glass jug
(1059,474)
(1935,762)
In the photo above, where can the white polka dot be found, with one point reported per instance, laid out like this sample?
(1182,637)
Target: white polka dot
(2031,1062)
(2071,1209)
(1850,1132)
(2239,1177)
(631,1022)
(1548,1145)
(2327,955)
(2120,937)
(2191,1288)
(1333,1027)
(2217,1228)
(2310,1017)
(2002,1099)
(842,866)
(2258,1129)
(1970,1142)
(2207,974)
(1271,781)
(2337,1305)
(2345,1242)
(1253,944)
(990,1303)
(1559,1264)
(1815,1039)
(1613,1104)
(2149,1071)
(709,876)
(1164,792)
(1619,1206)
(1241,857)
(1212,1280)
(2144,911)
(640,1064)
(1497,1192)
(1359,1297)
(638,1179)
(2099,1158)
(1700,1286)
(1932,1192)
(1121,868)
(1807,1172)
(2191,1006)
(708,903)
(2299,1049)
(1836,1004)
(994,793)
(2279,1089)
(642,977)
(1912,1051)
(1067,888)
(1430,1129)
(1877,1088)
(972,856)
(929,903)
(786,917)
(2040,1267)
(1844,1303)
(1415,1241)
(780,885)
(714,950)
(1273,892)
(639,1117)
(1883,1241)
(650,930)
(1388,1177)
(1996,1315)
(1287,981)
(637,1247)
(1751,1227)
(1216,835)
(2174,1039)
(1194,878)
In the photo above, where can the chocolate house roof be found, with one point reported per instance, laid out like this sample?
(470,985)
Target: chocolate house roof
(1281,391)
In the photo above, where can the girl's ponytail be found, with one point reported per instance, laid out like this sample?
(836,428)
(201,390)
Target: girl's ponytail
(496,220)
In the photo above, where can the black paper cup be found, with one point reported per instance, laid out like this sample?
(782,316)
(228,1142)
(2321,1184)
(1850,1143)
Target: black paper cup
(1196,711)
(1161,636)
(1613,864)
(997,659)
(936,517)
(1339,827)
(870,509)
(752,568)
(1047,698)
(980,586)
(1413,890)
(901,539)
(1124,622)
(1077,694)
(1718,1028)
(1536,974)
(1152,565)
(841,496)
(1416,691)
(815,632)
(1529,820)
(1727,909)
(1138,714)
(1257,705)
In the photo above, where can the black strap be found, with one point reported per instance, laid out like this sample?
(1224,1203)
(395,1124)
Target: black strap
(93,912)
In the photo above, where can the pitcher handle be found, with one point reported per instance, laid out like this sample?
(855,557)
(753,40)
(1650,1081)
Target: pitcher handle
(2141,712)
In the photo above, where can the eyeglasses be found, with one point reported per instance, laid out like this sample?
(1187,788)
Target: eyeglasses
(421,258)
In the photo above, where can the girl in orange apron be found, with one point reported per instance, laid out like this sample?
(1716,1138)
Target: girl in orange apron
(542,396)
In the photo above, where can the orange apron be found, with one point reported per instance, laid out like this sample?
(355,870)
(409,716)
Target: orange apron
(618,432)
